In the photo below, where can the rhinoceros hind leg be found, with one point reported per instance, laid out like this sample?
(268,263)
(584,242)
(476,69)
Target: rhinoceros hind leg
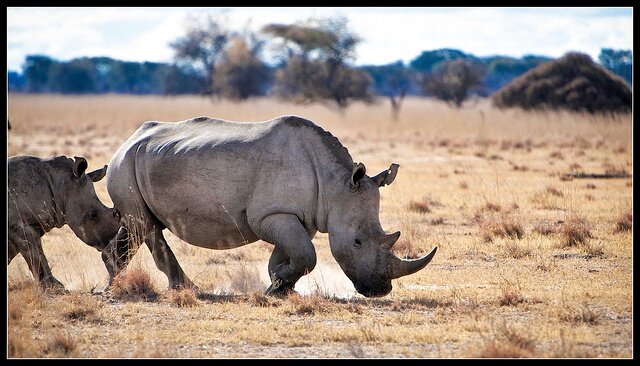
(165,259)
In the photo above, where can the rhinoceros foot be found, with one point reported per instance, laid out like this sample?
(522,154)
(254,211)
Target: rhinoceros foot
(283,290)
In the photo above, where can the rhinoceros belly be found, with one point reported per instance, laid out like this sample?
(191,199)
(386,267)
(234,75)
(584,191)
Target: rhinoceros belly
(202,206)
(214,228)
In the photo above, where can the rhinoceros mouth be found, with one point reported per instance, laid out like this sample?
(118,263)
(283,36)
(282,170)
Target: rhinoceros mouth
(373,291)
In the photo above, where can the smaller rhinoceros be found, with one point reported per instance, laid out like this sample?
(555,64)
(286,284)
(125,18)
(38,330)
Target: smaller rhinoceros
(47,193)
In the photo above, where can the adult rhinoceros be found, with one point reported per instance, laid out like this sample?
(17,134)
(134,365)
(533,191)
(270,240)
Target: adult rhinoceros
(47,193)
(220,184)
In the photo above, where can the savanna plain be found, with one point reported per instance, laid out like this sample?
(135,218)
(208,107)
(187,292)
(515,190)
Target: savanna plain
(531,261)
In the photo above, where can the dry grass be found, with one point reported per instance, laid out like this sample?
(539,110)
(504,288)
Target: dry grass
(507,342)
(81,307)
(59,344)
(309,305)
(545,228)
(494,220)
(424,204)
(582,314)
(515,250)
(457,297)
(510,294)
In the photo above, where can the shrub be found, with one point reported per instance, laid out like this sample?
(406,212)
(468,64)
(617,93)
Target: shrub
(134,284)
(573,82)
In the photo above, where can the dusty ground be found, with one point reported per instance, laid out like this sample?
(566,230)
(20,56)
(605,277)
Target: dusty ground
(483,185)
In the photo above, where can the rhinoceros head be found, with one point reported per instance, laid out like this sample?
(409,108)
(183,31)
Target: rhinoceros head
(358,243)
(93,222)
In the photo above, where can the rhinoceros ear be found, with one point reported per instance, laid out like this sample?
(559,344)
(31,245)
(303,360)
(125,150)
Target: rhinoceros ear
(359,171)
(386,177)
(79,166)
(98,174)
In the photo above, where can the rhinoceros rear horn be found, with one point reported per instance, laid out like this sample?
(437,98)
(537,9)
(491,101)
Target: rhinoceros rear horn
(386,177)
(388,240)
(402,267)
(98,174)
(79,166)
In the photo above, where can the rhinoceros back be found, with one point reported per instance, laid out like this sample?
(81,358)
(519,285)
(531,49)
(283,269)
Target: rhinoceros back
(202,178)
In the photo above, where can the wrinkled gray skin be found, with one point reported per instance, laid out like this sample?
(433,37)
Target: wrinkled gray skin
(219,184)
(48,193)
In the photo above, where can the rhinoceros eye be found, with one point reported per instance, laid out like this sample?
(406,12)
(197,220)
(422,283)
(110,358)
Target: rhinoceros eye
(93,214)
(358,243)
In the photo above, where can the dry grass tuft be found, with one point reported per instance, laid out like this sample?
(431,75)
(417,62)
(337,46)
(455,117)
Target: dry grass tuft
(25,296)
(514,250)
(544,264)
(624,222)
(133,284)
(556,155)
(182,298)
(554,191)
(578,315)
(508,343)
(501,224)
(308,305)
(419,206)
(21,344)
(80,307)
(510,294)
(424,204)
(547,199)
(545,228)
(59,344)
(593,250)
(575,231)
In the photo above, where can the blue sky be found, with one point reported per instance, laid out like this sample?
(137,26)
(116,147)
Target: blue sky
(389,34)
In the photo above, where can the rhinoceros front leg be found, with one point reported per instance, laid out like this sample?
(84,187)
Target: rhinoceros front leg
(165,259)
(28,243)
(293,255)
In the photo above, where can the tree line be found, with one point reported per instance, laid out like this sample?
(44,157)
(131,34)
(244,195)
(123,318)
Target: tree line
(313,64)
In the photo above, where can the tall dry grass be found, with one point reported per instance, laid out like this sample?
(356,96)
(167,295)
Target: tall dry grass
(458,168)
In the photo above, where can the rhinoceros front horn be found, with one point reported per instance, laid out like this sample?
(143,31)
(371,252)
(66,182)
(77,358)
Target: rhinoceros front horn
(402,267)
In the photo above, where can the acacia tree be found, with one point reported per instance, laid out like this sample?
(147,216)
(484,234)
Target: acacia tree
(202,46)
(315,56)
(452,80)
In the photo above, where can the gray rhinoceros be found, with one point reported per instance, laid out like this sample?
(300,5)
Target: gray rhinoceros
(47,193)
(220,184)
